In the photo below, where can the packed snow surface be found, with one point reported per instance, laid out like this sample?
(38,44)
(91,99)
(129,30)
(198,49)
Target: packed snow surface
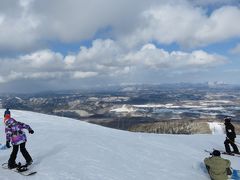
(67,149)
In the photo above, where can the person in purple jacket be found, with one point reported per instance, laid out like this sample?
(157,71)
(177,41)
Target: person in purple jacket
(17,137)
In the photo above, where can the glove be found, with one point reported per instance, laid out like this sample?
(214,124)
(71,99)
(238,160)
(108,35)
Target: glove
(31,131)
(8,144)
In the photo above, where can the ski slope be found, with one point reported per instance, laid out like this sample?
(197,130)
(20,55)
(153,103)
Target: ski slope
(67,149)
(216,127)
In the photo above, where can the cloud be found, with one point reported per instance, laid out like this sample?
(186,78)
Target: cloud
(26,25)
(152,57)
(126,40)
(214,2)
(236,49)
(18,26)
(186,25)
(44,59)
(105,58)
(80,75)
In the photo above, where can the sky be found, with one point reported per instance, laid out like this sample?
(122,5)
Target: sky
(57,45)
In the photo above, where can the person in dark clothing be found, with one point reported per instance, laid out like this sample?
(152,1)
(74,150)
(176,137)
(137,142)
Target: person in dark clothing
(16,135)
(231,135)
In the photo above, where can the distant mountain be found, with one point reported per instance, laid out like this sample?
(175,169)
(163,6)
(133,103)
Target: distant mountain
(135,106)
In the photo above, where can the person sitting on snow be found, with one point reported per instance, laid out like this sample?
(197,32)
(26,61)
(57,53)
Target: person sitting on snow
(218,168)
(17,137)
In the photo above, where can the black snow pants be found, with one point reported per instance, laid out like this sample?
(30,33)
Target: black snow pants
(13,156)
(227,147)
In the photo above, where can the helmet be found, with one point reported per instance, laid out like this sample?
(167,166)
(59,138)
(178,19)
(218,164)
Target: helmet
(7,112)
(6,118)
(227,119)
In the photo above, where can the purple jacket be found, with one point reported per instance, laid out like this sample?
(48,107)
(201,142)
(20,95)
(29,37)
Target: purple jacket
(14,131)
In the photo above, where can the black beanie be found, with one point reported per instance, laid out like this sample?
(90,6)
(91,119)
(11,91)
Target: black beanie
(216,153)
(7,112)
(227,119)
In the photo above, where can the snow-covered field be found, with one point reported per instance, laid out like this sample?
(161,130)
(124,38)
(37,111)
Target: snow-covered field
(66,149)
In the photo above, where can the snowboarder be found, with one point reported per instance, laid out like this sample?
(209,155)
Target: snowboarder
(17,137)
(231,135)
(218,168)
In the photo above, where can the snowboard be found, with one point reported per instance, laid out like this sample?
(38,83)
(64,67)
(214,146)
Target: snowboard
(225,153)
(21,169)
(235,174)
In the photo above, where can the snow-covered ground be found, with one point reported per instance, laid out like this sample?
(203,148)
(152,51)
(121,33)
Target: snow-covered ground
(66,149)
(216,127)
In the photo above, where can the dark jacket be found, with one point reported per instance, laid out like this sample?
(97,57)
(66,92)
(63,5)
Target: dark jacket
(230,130)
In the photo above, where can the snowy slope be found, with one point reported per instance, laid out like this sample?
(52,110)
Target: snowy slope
(66,149)
(216,127)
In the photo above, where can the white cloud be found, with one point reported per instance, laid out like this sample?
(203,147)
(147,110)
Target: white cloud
(221,25)
(152,57)
(42,59)
(25,3)
(1,19)
(80,75)
(236,49)
(80,20)
(106,58)
(27,24)
(186,25)
(2,79)
(18,27)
